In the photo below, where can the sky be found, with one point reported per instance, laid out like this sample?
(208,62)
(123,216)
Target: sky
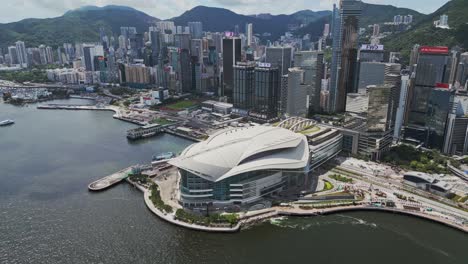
(14,10)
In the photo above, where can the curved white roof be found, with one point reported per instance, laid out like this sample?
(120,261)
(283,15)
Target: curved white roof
(234,151)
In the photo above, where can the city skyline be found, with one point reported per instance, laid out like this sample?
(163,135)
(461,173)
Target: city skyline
(164,9)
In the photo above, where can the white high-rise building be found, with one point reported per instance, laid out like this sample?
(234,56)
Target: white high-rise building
(249,33)
(21,53)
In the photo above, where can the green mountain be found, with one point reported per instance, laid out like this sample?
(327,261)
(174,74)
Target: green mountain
(77,25)
(371,14)
(424,33)
(376,14)
(276,25)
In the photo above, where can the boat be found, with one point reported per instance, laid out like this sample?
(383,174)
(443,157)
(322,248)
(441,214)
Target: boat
(164,156)
(7,122)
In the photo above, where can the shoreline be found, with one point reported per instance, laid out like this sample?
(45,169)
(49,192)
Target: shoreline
(263,215)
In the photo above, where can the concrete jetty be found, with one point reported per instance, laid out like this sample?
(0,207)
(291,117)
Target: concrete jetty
(110,180)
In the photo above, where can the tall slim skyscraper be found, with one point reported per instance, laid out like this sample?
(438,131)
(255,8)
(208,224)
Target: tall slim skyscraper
(350,13)
(21,54)
(231,54)
(249,33)
(13,55)
(336,58)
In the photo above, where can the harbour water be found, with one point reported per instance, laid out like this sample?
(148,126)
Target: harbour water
(47,215)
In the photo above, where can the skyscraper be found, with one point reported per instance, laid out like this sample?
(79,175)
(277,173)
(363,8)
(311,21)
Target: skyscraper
(297,94)
(266,93)
(312,64)
(249,33)
(423,101)
(21,54)
(336,58)
(244,82)
(196,29)
(350,14)
(13,55)
(231,55)
(279,57)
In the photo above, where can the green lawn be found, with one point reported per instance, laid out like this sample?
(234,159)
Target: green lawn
(181,105)
(161,121)
(310,130)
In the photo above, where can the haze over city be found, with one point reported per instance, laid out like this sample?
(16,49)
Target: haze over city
(13,10)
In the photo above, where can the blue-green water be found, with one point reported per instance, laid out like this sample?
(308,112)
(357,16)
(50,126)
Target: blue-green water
(47,215)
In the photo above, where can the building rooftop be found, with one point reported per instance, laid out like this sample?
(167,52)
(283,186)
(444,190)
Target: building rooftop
(235,151)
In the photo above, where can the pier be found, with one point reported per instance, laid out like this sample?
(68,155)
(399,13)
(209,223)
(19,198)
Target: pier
(110,180)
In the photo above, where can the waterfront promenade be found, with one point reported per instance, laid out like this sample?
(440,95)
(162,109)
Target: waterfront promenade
(256,217)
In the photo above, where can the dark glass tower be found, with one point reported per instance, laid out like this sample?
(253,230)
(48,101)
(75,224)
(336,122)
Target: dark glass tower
(350,13)
(231,55)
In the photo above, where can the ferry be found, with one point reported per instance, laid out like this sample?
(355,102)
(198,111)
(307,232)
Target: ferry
(7,122)
(164,156)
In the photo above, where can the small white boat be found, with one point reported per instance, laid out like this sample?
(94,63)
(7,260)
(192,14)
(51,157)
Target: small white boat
(7,122)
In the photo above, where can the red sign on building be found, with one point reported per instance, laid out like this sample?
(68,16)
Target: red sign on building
(434,50)
(442,85)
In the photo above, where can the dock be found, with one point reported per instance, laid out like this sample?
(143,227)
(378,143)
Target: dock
(110,180)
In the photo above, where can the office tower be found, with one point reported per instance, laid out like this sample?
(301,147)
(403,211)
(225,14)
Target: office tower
(461,77)
(244,85)
(13,54)
(403,103)
(312,64)
(196,49)
(185,71)
(88,55)
(21,54)
(376,30)
(440,105)
(430,74)
(296,100)
(231,54)
(279,57)
(452,66)
(380,109)
(371,73)
(266,93)
(182,41)
(155,45)
(196,29)
(249,33)
(350,11)
(136,46)
(336,58)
